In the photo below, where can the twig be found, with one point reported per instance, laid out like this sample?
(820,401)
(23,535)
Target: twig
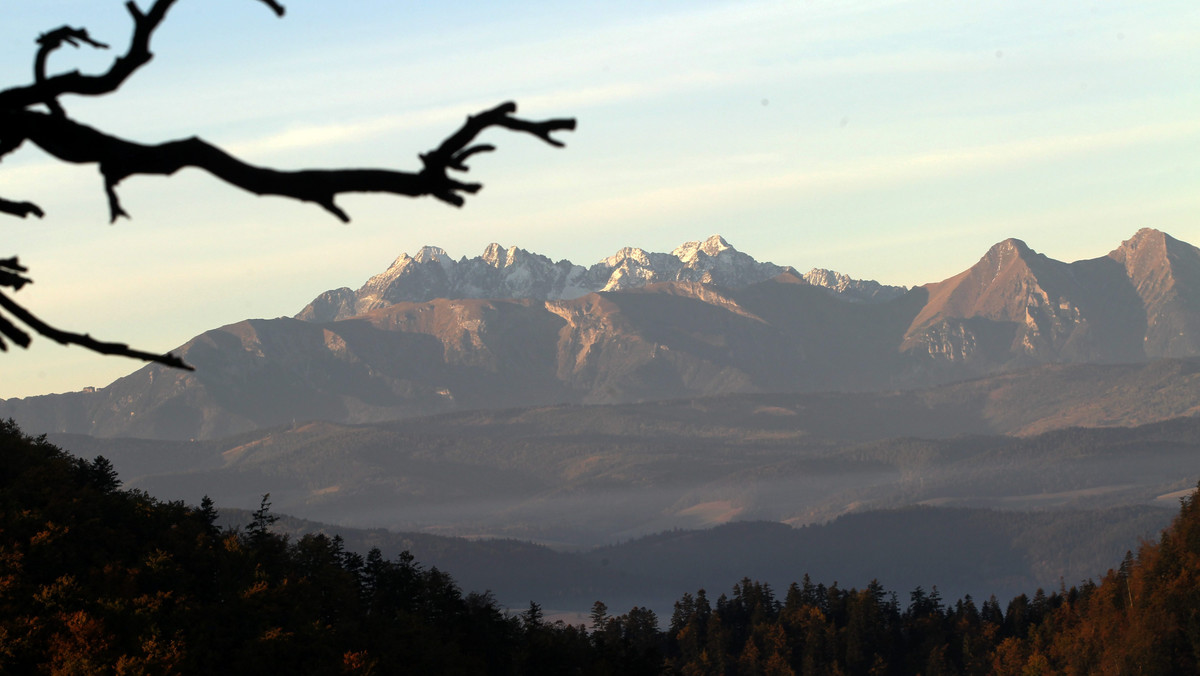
(21,209)
(118,159)
(83,340)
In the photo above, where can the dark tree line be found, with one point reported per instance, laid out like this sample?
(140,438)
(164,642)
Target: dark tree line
(99,580)
(35,113)
(1143,617)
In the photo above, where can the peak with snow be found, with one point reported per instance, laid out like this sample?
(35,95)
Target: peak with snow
(854,290)
(516,273)
(430,254)
(689,251)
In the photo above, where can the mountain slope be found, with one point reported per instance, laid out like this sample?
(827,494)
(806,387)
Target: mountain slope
(659,341)
(1165,274)
(516,273)
(589,474)
(1018,307)
(716,326)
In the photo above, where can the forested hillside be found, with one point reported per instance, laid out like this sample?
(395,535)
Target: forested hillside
(996,552)
(1143,617)
(97,580)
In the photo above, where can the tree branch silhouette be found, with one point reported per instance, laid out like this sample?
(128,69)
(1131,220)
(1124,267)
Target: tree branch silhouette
(56,133)
(10,276)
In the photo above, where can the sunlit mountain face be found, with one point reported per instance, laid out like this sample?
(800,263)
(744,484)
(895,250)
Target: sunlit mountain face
(511,328)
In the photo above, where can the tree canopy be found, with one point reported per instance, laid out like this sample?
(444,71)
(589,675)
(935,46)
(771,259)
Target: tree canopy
(96,579)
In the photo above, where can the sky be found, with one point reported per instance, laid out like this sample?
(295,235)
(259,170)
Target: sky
(887,140)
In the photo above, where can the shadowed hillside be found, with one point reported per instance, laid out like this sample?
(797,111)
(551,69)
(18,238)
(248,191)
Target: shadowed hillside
(589,475)
(1001,553)
(704,321)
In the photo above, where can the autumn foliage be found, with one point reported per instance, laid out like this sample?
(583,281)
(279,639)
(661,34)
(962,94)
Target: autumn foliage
(1143,617)
(99,580)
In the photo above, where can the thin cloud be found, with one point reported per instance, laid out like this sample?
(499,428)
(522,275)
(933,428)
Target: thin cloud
(316,135)
(868,174)
(312,136)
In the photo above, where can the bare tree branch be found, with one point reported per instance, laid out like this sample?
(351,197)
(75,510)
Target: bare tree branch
(50,88)
(10,269)
(84,340)
(10,276)
(48,43)
(278,8)
(46,89)
(454,151)
(21,209)
(8,330)
(118,159)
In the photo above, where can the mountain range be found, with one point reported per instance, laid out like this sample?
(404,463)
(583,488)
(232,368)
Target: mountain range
(1035,414)
(511,328)
(516,273)
(1077,436)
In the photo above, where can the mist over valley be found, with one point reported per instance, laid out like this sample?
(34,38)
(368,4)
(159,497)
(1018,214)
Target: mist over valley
(612,410)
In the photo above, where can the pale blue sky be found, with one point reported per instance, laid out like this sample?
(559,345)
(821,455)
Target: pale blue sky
(887,140)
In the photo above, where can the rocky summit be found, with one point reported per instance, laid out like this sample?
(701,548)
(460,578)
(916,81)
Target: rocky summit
(511,328)
(1140,301)
(501,273)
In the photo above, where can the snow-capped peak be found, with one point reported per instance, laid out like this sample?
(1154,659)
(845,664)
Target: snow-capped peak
(516,273)
(430,253)
(495,255)
(856,290)
(628,253)
(712,246)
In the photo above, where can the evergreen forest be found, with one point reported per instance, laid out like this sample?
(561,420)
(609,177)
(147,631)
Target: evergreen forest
(95,579)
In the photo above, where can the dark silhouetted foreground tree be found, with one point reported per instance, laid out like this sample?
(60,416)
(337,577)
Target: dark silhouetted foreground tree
(35,113)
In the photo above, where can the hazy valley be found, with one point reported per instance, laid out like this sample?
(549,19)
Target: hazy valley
(590,408)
